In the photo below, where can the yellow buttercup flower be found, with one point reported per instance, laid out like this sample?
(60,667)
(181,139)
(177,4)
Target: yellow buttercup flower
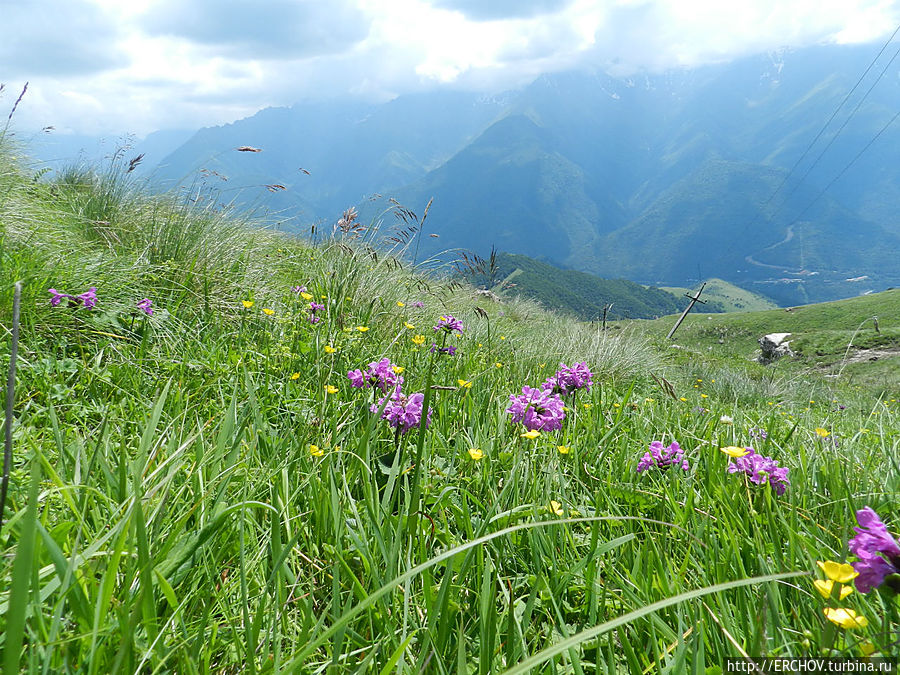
(476,453)
(306,296)
(400,304)
(845,591)
(682,399)
(734,451)
(822,433)
(329,349)
(531,435)
(418,339)
(465,384)
(408,325)
(330,389)
(247,303)
(362,329)
(840,572)
(588,406)
(704,396)
(563,449)
(845,618)
(824,586)
(498,364)
(397,369)
(295,376)
(316,451)
(556,508)
(268,312)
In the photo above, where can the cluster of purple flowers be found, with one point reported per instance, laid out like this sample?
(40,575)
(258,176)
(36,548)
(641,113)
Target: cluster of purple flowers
(418,303)
(449,324)
(298,289)
(537,409)
(872,541)
(146,306)
(403,412)
(663,457)
(89,297)
(761,469)
(313,308)
(449,349)
(569,380)
(379,374)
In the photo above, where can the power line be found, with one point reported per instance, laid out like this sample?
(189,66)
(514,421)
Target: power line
(836,111)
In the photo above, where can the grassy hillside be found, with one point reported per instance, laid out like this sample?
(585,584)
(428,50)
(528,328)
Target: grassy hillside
(828,338)
(204,489)
(579,293)
(726,297)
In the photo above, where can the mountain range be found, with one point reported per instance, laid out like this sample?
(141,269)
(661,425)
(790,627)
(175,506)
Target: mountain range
(664,179)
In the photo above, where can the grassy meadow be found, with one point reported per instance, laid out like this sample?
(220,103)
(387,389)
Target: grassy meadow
(202,489)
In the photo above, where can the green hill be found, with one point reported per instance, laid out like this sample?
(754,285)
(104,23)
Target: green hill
(579,293)
(728,297)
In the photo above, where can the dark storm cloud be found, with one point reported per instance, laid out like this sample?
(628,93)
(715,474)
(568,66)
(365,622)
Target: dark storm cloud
(275,29)
(56,38)
(489,10)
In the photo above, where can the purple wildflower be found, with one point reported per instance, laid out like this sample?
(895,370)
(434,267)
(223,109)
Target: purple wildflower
(89,297)
(314,319)
(417,303)
(537,409)
(57,296)
(403,412)
(298,289)
(146,305)
(449,324)
(663,457)
(568,380)
(758,433)
(761,469)
(871,539)
(450,349)
(378,374)
(315,307)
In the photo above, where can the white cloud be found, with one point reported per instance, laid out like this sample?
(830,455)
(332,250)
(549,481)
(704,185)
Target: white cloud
(108,66)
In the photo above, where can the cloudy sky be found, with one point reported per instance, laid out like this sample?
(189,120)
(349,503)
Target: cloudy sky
(114,66)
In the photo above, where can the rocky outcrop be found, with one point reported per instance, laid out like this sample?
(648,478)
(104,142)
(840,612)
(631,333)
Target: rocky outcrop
(774,346)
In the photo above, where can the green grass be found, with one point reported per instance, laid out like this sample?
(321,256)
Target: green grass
(168,512)
(726,297)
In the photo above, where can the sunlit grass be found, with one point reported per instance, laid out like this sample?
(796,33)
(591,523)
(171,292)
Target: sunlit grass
(212,495)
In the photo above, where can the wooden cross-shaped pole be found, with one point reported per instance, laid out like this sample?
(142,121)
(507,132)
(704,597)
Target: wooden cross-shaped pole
(694,298)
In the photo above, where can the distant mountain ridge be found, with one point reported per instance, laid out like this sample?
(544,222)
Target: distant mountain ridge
(654,178)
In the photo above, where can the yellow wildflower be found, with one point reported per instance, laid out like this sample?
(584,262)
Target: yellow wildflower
(397,369)
(247,303)
(704,396)
(268,312)
(418,339)
(362,329)
(498,364)
(682,399)
(588,406)
(824,586)
(845,618)
(841,572)
(465,384)
(295,376)
(330,389)
(556,508)
(845,591)
(306,296)
(316,451)
(476,453)
(822,433)
(329,349)
(400,304)
(563,449)
(408,325)
(534,433)
(734,451)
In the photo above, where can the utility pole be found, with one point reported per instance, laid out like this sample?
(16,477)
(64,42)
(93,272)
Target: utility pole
(694,298)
